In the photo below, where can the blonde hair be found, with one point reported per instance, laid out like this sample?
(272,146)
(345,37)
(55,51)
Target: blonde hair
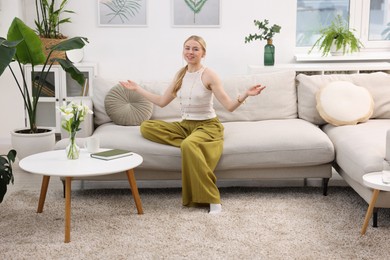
(180,74)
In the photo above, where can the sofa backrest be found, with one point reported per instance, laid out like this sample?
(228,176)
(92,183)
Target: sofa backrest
(277,101)
(378,84)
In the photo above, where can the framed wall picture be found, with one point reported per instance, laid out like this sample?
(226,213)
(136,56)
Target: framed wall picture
(196,13)
(122,13)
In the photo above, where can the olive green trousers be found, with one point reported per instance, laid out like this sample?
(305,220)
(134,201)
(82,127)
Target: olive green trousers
(201,144)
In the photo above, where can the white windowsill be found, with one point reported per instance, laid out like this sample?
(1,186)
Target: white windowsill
(360,56)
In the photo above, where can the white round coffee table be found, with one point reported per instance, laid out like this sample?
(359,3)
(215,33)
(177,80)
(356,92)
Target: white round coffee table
(373,180)
(55,163)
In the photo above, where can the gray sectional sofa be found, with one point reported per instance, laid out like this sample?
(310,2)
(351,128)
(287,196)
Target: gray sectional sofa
(277,135)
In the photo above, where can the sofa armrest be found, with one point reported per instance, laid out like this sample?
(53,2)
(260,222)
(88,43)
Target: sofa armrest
(87,126)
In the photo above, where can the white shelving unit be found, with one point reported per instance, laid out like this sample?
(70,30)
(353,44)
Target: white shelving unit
(59,89)
(324,68)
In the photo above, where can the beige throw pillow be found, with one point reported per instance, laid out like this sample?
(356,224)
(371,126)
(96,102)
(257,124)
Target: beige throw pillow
(343,103)
(126,107)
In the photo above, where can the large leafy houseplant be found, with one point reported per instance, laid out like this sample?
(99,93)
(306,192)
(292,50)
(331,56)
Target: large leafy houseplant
(25,47)
(6,175)
(338,36)
(48,19)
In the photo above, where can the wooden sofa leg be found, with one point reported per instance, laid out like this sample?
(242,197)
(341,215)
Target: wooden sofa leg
(375,218)
(325,182)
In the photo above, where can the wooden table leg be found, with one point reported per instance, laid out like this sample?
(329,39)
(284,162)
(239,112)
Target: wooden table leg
(369,211)
(68,181)
(42,196)
(134,190)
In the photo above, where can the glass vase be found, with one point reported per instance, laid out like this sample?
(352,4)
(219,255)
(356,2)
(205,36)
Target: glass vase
(269,53)
(72,150)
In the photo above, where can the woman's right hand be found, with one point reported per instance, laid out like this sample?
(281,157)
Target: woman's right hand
(129,85)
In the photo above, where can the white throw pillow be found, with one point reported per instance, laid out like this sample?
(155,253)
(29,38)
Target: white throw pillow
(377,83)
(343,103)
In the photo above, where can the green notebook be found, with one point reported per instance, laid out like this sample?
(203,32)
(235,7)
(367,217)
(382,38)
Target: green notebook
(111,154)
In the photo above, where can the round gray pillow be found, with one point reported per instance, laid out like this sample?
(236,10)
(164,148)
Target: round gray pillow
(126,107)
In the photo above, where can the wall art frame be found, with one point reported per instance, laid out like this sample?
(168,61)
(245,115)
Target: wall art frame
(122,13)
(196,13)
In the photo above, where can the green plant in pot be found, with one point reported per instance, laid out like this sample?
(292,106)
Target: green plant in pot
(6,175)
(47,23)
(48,18)
(23,46)
(266,32)
(337,39)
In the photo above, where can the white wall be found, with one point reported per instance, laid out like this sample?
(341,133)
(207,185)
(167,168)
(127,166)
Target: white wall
(154,52)
(11,103)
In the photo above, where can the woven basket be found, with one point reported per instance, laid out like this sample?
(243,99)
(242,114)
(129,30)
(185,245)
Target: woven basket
(47,43)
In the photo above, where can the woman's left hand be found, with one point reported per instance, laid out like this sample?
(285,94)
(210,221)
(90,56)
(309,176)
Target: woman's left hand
(255,90)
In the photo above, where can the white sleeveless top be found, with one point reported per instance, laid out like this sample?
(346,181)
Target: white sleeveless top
(196,100)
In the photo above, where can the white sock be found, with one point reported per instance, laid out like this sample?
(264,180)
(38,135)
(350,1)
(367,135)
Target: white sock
(215,208)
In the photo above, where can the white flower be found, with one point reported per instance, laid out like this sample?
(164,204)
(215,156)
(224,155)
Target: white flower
(73,114)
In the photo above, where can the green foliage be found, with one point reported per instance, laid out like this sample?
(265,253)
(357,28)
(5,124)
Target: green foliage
(265,31)
(25,47)
(6,175)
(337,33)
(48,18)
(386,33)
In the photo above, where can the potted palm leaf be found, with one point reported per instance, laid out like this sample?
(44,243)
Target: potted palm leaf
(24,46)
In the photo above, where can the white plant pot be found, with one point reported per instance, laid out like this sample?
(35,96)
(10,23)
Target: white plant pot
(28,144)
(335,52)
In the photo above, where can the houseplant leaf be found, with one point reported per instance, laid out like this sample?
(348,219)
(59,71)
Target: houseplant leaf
(72,70)
(6,175)
(30,50)
(7,52)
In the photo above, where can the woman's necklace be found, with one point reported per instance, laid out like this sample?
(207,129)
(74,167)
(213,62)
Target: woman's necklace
(183,112)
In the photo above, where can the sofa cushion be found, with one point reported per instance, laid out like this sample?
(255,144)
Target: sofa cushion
(378,84)
(360,148)
(247,145)
(277,101)
(100,89)
(127,107)
(171,112)
(343,103)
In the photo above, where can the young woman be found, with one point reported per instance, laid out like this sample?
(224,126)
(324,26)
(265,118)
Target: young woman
(200,134)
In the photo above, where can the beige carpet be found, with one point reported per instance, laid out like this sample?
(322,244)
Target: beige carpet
(257,223)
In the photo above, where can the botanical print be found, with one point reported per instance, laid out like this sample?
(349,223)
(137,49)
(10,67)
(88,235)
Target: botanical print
(195,6)
(201,13)
(122,12)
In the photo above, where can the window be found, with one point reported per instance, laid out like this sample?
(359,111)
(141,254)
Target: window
(369,18)
(313,15)
(379,21)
